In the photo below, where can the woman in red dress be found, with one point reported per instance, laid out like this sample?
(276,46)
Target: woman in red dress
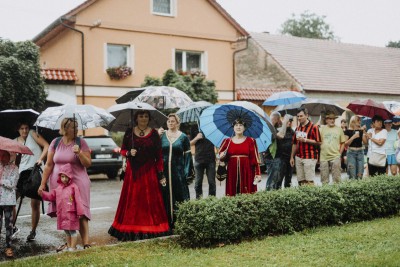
(141,212)
(241,154)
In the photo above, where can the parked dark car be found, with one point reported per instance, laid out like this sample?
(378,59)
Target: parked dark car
(105,156)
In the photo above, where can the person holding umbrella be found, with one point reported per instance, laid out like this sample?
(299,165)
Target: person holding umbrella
(241,154)
(141,213)
(73,150)
(39,147)
(8,182)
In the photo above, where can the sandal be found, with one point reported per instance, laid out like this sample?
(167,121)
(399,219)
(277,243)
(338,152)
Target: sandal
(9,253)
(86,246)
(62,247)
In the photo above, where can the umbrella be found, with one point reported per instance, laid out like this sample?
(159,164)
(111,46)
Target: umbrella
(87,116)
(163,97)
(124,115)
(392,105)
(259,111)
(317,106)
(284,98)
(314,106)
(129,96)
(13,146)
(191,112)
(216,124)
(369,108)
(10,118)
(291,109)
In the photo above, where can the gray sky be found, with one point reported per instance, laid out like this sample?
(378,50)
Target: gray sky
(370,22)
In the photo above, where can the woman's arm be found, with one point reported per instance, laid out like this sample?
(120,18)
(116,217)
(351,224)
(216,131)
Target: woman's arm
(43,143)
(48,168)
(83,155)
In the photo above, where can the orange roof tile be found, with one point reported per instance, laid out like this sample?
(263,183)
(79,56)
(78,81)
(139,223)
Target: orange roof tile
(257,94)
(59,74)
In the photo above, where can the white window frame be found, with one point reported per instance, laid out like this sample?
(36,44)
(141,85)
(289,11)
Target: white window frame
(203,60)
(130,57)
(173,11)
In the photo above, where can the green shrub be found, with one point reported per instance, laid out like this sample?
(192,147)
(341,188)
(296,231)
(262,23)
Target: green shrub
(231,219)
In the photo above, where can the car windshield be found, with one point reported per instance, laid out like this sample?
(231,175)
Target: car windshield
(100,142)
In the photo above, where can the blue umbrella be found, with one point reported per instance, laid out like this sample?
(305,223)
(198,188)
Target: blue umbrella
(284,98)
(191,112)
(216,124)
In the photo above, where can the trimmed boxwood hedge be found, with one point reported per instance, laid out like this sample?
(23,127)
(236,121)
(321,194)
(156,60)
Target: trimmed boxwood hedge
(230,219)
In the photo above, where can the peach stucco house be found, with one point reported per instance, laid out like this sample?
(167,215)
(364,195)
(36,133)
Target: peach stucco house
(150,36)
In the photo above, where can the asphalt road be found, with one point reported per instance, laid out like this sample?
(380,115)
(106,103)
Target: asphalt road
(104,200)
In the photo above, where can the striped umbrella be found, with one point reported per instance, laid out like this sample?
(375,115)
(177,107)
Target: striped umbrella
(191,112)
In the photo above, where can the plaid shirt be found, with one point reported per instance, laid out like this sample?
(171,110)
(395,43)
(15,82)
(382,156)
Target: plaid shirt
(306,150)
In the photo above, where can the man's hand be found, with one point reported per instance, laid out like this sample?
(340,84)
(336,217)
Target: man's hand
(292,162)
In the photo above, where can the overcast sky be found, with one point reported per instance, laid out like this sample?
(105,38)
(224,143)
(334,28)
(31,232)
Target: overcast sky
(370,22)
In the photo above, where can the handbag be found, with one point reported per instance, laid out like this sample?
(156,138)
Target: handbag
(222,172)
(29,182)
(377,159)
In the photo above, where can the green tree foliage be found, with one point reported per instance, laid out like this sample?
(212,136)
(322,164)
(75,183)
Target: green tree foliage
(21,84)
(393,44)
(308,25)
(194,84)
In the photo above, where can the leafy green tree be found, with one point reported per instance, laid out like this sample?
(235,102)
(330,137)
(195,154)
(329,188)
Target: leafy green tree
(308,25)
(21,83)
(194,84)
(393,44)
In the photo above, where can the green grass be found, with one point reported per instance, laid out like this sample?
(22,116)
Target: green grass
(373,243)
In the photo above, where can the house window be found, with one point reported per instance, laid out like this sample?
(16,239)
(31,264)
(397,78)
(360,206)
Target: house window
(163,7)
(118,55)
(187,61)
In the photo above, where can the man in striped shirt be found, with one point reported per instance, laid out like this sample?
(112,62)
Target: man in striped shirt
(305,150)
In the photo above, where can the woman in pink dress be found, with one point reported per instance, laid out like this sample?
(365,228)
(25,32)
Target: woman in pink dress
(65,150)
(241,154)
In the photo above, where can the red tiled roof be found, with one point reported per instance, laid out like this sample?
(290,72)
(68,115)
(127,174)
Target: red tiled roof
(257,94)
(59,74)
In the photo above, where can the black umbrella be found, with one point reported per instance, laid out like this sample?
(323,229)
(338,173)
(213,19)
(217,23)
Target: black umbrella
(129,96)
(10,118)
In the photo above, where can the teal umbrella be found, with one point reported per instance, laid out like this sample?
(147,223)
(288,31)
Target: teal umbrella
(191,112)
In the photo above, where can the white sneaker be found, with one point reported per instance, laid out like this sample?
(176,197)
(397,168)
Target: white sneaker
(16,231)
(71,249)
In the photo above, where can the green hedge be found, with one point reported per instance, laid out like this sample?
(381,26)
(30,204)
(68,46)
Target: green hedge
(230,219)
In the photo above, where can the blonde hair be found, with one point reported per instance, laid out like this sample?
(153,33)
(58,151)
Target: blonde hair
(353,121)
(173,115)
(65,123)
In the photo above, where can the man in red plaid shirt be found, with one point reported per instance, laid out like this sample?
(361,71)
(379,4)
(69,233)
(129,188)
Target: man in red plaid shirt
(305,148)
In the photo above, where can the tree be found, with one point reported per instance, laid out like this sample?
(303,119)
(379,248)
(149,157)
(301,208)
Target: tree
(393,44)
(21,83)
(308,25)
(194,84)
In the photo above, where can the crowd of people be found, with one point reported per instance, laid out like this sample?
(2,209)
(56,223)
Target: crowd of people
(158,163)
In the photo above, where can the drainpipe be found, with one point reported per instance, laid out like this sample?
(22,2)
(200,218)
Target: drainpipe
(83,56)
(234,66)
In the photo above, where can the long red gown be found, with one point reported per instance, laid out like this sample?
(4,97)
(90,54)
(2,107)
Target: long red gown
(141,213)
(242,164)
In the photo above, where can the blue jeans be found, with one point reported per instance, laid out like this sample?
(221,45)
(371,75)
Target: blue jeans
(273,168)
(209,169)
(355,163)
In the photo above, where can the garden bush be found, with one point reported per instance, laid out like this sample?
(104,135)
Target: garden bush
(230,219)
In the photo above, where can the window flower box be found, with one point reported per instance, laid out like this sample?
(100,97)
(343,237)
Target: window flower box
(119,73)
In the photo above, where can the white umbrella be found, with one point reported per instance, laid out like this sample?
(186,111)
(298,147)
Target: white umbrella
(163,97)
(124,115)
(87,116)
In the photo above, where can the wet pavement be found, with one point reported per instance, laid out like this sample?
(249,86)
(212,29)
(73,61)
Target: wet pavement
(104,200)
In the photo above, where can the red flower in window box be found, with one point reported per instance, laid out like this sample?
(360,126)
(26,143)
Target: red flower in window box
(119,73)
